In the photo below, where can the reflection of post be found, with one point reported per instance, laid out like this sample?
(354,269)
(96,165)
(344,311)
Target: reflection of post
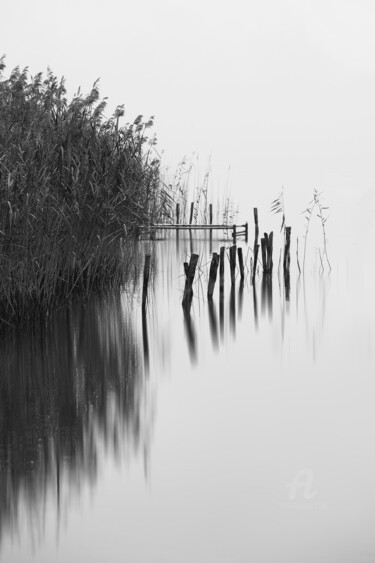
(190,334)
(232,309)
(146,275)
(190,273)
(191,241)
(269,296)
(240,298)
(266,287)
(146,352)
(221,314)
(287,285)
(213,275)
(255,304)
(213,323)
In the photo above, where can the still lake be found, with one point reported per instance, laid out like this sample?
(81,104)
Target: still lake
(244,432)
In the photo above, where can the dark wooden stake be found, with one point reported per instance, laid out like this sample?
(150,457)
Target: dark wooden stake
(222,258)
(210,219)
(190,273)
(256,252)
(213,275)
(234,234)
(232,261)
(267,249)
(177,213)
(191,212)
(146,275)
(287,250)
(240,262)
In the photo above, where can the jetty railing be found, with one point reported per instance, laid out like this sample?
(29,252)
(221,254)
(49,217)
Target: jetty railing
(237,230)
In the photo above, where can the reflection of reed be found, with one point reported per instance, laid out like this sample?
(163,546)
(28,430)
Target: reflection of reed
(65,389)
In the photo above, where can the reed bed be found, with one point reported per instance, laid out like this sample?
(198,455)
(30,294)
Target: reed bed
(74,188)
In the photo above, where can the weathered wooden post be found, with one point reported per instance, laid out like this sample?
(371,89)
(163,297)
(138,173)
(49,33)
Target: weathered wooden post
(234,234)
(287,250)
(222,258)
(191,212)
(190,273)
(146,275)
(267,249)
(246,232)
(256,245)
(264,254)
(269,252)
(177,220)
(210,220)
(240,262)
(213,275)
(256,228)
(232,261)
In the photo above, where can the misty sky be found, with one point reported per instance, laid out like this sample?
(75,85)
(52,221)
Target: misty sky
(274,92)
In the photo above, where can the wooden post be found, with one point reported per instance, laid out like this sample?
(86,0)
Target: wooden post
(177,213)
(287,250)
(213,275)
(256,245)
(191,212)
(146,275)
(234,234)
(190,273)
(269,253)
(256,229)
(240,262)
(256,252)
(232,261)
(267,249)
(264,254)
(246,232)
(210,219)
(222,258)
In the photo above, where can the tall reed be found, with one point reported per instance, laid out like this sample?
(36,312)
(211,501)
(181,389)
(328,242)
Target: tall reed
(73,187)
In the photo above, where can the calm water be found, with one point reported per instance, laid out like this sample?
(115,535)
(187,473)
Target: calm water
(244,432)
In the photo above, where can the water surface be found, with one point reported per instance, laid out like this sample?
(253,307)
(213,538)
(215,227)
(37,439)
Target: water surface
(241,432)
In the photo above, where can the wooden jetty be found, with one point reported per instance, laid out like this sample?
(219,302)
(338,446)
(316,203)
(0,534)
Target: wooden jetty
(237,230)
